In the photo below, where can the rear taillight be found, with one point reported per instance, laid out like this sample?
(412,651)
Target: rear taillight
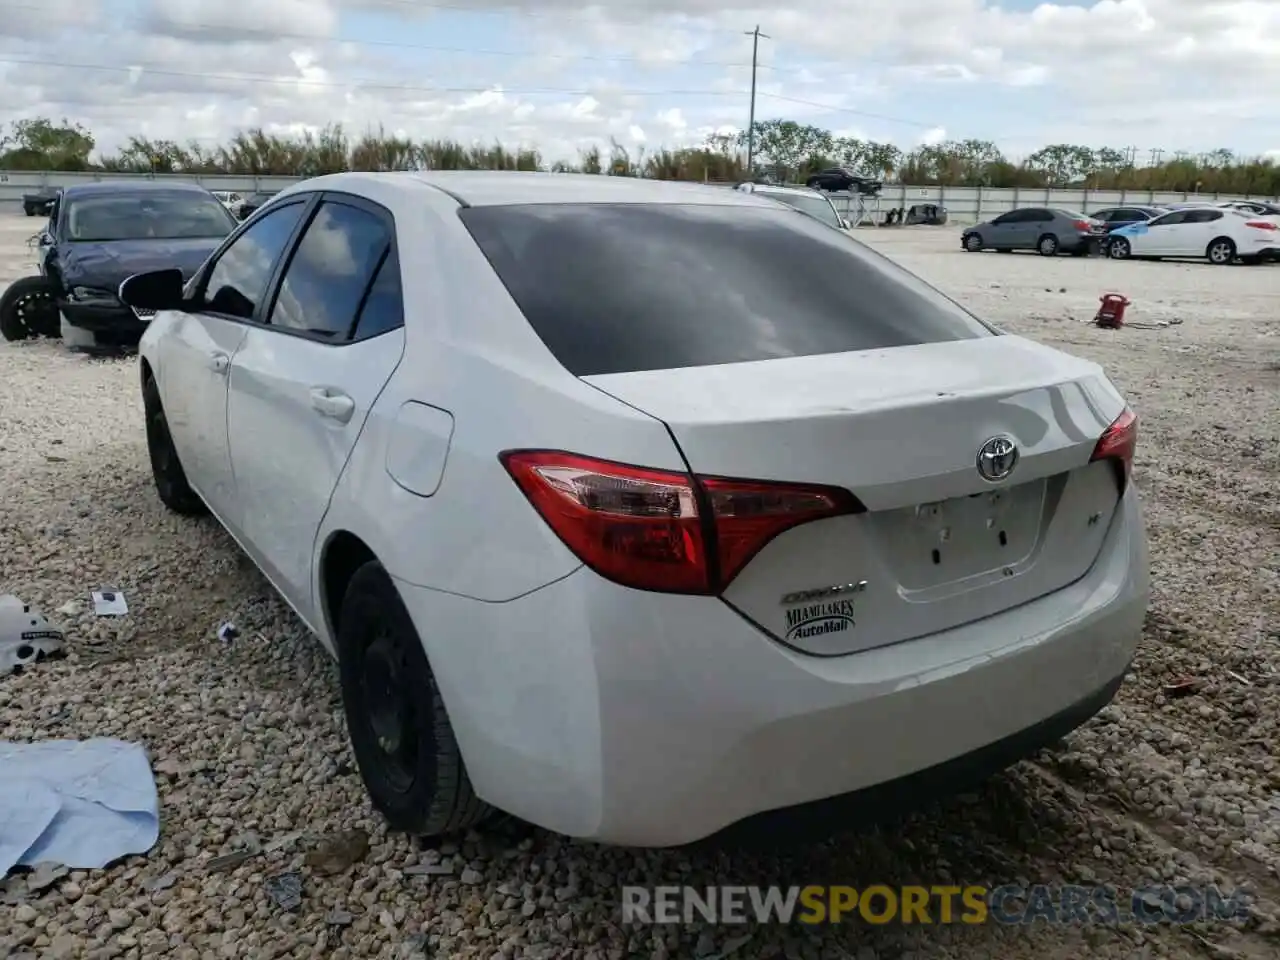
(1118,444)
(1084,225)
(664,530)
(1262,225)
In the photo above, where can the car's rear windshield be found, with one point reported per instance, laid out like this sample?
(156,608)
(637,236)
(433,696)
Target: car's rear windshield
(152,215)
(615,288)
(1072,214)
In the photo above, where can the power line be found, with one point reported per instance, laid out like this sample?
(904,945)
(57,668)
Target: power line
(366,85)
(850,111)
(423,47)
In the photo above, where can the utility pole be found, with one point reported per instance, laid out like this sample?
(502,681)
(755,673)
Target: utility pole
(755,36)
(1156,154)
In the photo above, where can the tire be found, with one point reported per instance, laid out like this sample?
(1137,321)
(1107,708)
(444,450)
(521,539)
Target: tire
(1221,252)
(30,211)
(171,481)
(1119,249)
(973,243)
(421,785)
(1047,246)
(27,310)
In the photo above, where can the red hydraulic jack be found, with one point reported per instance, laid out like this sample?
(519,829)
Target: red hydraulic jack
(1110,315)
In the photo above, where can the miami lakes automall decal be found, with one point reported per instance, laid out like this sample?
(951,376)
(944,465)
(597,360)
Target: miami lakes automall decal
(815,619)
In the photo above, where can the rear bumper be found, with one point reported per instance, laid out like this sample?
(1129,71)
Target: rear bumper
(1090,242)
(637,718)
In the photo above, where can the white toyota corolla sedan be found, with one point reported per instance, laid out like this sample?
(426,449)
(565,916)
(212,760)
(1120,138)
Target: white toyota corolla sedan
(635,509)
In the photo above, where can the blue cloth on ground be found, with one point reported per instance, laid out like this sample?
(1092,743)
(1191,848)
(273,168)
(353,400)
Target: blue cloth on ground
(80,803)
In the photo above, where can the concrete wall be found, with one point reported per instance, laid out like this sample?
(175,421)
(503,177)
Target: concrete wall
(13,184)
(964,204)
(976,204)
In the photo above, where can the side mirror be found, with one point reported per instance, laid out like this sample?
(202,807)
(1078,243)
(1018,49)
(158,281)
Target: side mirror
(45,239)
(845,224)
(157,290)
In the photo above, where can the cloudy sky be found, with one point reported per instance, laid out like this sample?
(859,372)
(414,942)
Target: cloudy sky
(1191,75)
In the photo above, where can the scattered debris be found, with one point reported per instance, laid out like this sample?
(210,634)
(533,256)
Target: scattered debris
(339,918)
(1239,679)
(280,843)
(44,875)
(228,632)
(245,847)
(229,861)
(1182,687)
(285,889)
(338,853)
(26,635)
(156,884)
(109,602)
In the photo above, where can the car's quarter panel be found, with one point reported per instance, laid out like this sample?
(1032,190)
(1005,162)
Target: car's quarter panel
(639,718)
(470,352)
(477,535)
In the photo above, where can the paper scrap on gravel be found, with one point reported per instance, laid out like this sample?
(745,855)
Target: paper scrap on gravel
(80,803)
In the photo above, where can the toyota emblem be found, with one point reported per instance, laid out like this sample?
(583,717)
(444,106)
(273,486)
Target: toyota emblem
(997,458)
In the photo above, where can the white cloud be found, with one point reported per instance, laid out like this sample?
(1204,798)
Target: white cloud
(933,136)
(563,75)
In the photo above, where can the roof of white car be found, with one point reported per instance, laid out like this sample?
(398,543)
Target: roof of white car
(487,188)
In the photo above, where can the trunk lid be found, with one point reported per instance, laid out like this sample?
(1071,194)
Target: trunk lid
(902,428)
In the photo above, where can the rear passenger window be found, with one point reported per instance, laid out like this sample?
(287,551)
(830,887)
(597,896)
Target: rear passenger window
(612,288)
(383,310)
(326,279)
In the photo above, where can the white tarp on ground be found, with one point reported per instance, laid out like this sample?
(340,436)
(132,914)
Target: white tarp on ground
(81,803)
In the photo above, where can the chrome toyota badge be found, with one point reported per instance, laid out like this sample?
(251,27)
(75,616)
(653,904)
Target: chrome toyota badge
(997,458)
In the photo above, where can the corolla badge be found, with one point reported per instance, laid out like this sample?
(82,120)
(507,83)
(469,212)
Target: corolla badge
(997,458)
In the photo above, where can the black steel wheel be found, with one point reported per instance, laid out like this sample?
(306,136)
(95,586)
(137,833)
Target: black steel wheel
(170,479)
(28,310)
(400,731)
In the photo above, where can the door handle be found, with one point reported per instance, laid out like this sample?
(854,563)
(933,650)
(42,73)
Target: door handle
(218,362)
(332,403)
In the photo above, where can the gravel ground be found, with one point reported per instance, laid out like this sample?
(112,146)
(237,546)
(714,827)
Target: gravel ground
(248,742)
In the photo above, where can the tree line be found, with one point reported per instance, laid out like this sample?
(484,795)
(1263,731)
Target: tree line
(783,149)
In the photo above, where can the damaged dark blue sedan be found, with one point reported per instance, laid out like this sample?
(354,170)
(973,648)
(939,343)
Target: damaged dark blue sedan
(99,235)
